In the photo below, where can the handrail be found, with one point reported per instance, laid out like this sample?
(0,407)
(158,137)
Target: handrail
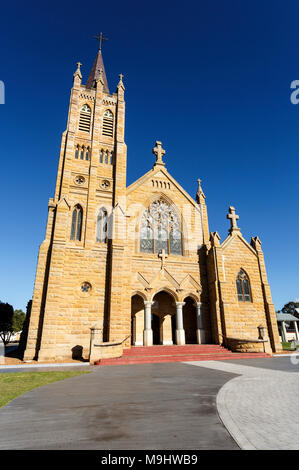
(112,344)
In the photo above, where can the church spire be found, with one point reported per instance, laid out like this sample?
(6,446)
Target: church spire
(98,65)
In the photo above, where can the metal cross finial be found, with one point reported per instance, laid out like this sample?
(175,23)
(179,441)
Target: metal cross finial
(233,218)
(100,37)
(159,152)
(162,254)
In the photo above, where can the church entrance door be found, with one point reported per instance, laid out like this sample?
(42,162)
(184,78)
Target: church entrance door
(163,309)
(156,329)
(137,320)
(190,321)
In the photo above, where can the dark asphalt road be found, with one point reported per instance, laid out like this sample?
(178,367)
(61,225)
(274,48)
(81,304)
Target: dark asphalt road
(148,406)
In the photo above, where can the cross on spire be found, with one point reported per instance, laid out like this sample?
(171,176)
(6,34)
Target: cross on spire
(162,254)
(233,218)
(159,152)
(100,37)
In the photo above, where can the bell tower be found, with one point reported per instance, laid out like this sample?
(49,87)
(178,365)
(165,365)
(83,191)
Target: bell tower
(72,285)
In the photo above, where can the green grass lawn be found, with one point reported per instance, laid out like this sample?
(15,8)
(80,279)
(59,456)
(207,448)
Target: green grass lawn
(16,383)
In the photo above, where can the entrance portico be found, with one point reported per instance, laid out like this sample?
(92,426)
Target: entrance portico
(166,321)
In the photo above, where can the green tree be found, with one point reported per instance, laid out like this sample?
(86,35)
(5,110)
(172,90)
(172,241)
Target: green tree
(18,320)
(6,321)
(290,307)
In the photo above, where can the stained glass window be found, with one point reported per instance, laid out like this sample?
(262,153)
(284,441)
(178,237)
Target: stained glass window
(160,229)
(243,287)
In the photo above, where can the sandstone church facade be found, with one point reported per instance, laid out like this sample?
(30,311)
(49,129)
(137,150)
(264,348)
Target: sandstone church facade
(137,265)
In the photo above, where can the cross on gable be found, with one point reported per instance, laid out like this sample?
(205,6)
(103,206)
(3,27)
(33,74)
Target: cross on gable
(233,217)
(162,254)
(159,152)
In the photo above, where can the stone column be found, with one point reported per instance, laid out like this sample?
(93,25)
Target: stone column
(283,332)
(200,332)
(296,330)
(148,332)
(180,332)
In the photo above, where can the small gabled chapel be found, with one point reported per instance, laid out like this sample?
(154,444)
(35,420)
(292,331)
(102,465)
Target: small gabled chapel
(137,266)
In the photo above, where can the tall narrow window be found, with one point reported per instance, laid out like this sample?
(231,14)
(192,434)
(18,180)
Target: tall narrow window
(85,118)
(82,153)
(108,123)
(175,241)
(101,156)
(102,226)
(243,287)
(77,152)
(146,239)
(87,153)
(76,228)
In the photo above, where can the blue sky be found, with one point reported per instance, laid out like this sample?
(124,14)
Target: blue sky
(209,79)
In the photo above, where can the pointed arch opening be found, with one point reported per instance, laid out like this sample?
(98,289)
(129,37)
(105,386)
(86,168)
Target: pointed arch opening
(76,227)
(108,123)
(190,320)
(164,317)
(160,229)
(137,320)
(243,287)
(85,118)
(102,226)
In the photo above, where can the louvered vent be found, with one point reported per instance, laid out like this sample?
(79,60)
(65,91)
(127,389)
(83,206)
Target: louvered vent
(108,123)
(85,118)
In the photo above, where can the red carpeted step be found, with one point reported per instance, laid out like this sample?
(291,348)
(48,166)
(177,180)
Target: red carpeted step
(172,350)
(187,358)
(175,353)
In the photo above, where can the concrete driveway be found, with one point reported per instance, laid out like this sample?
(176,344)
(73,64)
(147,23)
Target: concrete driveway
(148,406)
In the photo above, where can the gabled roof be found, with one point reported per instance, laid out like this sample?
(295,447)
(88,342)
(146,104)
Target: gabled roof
(154,172)
(286,317)
(95,72)
(237,234)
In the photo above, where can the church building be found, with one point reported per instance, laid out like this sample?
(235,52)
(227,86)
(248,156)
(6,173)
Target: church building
(137,265)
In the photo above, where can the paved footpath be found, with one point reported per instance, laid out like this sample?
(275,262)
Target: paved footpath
(260,406)
(148,406)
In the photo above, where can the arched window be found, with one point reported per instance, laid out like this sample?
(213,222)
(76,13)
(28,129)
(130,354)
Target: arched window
(87,153)
(102,226)
(101,156)
(85,118)
(243,287)
(108,123)
(160,229)
(82,153)
(77,152)
(76,228)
